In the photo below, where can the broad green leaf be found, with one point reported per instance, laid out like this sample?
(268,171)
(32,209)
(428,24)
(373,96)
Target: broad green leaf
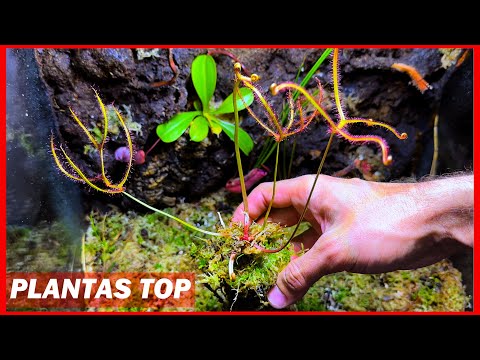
(176,126)
(227,106)
(204,77)
(198,129)
(245,142)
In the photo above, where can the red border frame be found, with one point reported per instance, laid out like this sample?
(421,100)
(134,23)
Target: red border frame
(3,181)
(476,270)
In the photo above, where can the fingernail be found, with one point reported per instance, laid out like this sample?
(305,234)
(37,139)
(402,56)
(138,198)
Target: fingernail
(276,298)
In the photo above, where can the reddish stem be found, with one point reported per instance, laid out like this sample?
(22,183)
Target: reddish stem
(246,236)
(151,147)
(230,55)
(174,69)
(345,171)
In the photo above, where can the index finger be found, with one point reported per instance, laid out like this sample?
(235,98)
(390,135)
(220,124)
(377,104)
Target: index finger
(290,192)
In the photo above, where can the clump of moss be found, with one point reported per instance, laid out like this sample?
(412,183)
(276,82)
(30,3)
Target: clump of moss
(118,241)
(45,247)
(25,141)
(114,130)
(254,271)
(126,112)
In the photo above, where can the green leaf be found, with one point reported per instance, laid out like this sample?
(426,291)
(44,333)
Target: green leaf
(227,106)
(199,129)
(245,142)
(204,77)
(176,126)
(197,105)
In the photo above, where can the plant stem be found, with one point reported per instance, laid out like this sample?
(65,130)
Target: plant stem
(268,153)
(268,147)
(237,148)
(291,158)
(184,223)
(313,187)
(273,190)
(306,205)
(433,168)
(151,147)
(284,160)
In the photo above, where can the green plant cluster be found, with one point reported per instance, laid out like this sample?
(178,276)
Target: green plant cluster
(255,271)
(206,115)
(130,242)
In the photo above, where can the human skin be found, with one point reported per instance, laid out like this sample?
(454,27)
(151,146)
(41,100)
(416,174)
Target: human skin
(364,227)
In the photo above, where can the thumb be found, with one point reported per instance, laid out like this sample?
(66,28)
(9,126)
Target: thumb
(296,278)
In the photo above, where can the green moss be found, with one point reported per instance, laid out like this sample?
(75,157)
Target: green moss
(115,131)
(436,287)
(45,247)
(254,271)
(114,127)
(141,243)
(26,141)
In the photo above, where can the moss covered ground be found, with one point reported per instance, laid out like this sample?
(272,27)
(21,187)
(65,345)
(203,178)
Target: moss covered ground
(132,242)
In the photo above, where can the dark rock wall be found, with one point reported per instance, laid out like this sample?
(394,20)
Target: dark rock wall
(188,170)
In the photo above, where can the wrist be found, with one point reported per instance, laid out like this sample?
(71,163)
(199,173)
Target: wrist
(447,205)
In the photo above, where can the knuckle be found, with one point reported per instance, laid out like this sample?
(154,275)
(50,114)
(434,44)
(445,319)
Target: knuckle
(306,180)
(293,278)
(264,187)
(265,191)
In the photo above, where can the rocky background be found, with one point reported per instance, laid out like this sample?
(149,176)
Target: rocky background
(185,171)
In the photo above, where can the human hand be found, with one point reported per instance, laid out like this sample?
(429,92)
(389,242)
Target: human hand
(364,227)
